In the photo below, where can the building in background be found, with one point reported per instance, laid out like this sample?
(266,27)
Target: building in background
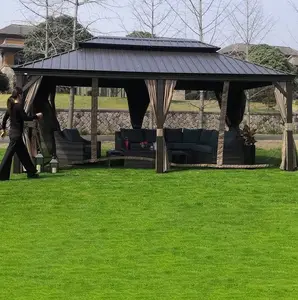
(12,39)
(240,49)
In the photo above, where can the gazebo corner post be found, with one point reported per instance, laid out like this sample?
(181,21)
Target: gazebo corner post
(289,126)
(284,99)
(160,141)
(94,109)
(222,118)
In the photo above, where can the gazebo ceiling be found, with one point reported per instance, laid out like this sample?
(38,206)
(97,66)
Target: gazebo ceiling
(133,58)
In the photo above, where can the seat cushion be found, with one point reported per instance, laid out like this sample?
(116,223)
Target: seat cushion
(213,139)
(150,135)
(180,146)
(133,135)
(135,146)
(202,148)
(73,135)
(191,135)
(173,135)
(230,138)
(205,136)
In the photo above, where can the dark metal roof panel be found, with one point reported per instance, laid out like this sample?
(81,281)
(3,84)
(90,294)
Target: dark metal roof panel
(169,44)
(137,61)
(134,41)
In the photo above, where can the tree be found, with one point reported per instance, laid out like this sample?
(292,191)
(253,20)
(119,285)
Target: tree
(141,34)
(76,5)
(43,9)
(272,57)
(250,26)
(203,19)
(4,83)
(153,16)
(60,37)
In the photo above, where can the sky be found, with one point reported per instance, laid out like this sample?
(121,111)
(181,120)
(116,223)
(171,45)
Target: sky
(283,33)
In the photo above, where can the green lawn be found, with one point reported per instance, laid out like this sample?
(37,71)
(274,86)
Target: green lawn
(132,234)
(121,103)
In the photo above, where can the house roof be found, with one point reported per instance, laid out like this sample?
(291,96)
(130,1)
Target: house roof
(144,63)
(136,43)
(288,51)
(11,46)
(15,29)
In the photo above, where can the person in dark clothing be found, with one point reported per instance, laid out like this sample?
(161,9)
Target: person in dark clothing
(17,116)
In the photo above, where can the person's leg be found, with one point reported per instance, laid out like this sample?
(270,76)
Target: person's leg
(7,160)
(25,159)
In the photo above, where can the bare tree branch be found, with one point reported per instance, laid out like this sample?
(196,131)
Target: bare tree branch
(153,16)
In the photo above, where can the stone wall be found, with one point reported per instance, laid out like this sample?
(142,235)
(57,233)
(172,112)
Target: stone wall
(110,121)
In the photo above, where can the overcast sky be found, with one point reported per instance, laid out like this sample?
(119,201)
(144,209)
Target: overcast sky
(284,32)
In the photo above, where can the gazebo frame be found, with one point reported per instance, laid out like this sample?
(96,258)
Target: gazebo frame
(162,84)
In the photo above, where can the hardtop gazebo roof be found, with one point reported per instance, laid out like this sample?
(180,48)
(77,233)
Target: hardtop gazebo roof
(142,58)
(149,70)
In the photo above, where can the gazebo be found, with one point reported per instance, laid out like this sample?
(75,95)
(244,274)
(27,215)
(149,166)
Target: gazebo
(150,70)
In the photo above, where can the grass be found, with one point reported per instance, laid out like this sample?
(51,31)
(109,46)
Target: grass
(132,234)
(84,102)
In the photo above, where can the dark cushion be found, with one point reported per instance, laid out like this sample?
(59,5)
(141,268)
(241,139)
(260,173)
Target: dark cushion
(150,135)
(173,135)
(191,135)
(135,146)
(180,146)
(133,135)
(202,148)
(230,138)
(72,135)
(213,139)
(205,136)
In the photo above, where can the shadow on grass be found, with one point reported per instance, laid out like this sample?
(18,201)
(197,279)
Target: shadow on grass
(43,176)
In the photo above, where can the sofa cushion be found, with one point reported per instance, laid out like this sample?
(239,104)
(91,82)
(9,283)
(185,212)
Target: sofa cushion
(205,136)
(133,135)
(202,148)
(72,134)
(213,139)
(135,146)
(180,146)
(150,135)
(173,135)
(191,135)
(230,138)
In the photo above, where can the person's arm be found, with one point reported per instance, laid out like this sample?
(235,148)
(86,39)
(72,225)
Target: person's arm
(4,121)
(23,115)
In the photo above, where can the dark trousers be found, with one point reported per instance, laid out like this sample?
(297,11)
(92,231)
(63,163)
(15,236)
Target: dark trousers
(17,146)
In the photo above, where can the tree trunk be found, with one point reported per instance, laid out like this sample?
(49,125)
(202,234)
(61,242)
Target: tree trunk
(72,89)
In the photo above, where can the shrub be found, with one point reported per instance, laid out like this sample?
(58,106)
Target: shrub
(4,83)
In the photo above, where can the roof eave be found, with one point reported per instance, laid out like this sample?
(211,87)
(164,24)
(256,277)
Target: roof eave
(270,78)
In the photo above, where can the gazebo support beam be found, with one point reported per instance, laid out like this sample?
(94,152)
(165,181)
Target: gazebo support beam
(222,123)
(94,108)
(290,144)
(160,147)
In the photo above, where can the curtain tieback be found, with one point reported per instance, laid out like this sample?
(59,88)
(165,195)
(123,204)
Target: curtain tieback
(289,127)
(159,132)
